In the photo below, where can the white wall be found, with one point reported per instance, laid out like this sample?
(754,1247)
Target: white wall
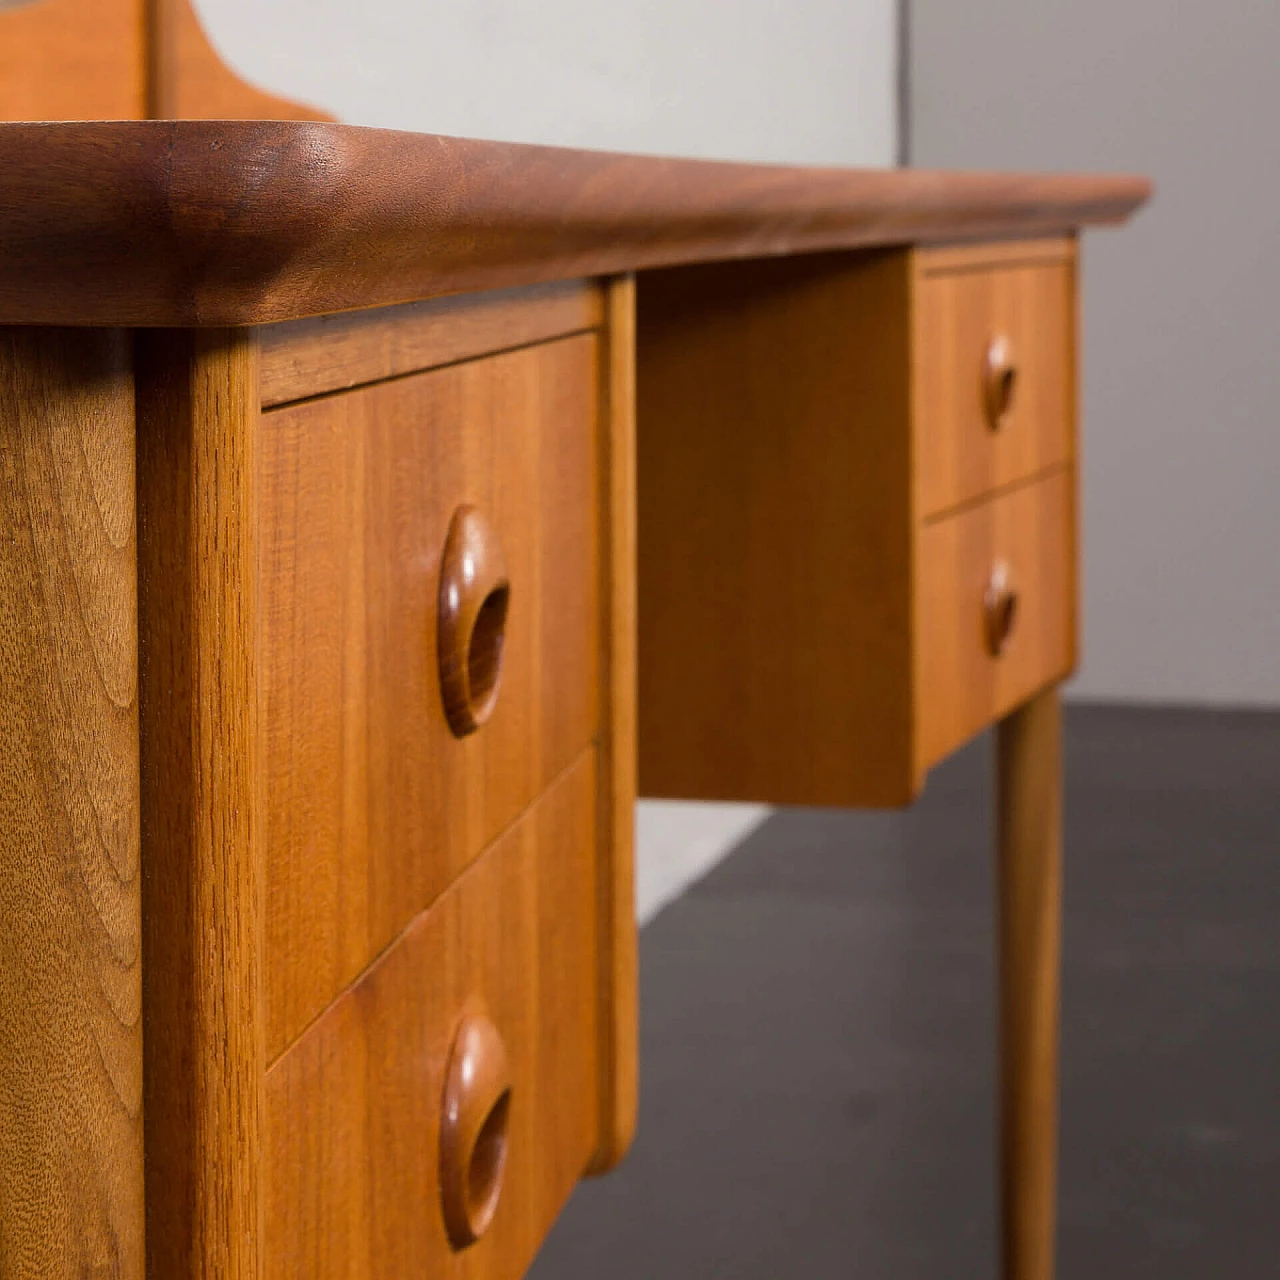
(805,81)
(809,80)
(1182,323)
(678,843)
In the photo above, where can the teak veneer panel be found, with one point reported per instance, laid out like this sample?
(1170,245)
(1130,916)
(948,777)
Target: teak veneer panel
(331,353)
(202,827)
(71,1156)
(775,531)
(73,60)
(962,302)
(235,223)
(353,1109)
(963,689)
(987,255)
(373,806)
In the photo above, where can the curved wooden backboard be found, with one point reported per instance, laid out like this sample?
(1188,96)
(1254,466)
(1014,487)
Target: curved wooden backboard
(121,60)
(189,80)
(72,60)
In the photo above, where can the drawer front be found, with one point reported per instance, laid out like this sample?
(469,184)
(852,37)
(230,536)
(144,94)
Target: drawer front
(995,380)
(375,803)
(366,1167)
(995,610)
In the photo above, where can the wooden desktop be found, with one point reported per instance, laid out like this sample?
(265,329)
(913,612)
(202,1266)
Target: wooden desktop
(354,484)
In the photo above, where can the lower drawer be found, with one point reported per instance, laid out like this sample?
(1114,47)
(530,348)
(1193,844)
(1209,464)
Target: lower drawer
(456,1079)
(995,608)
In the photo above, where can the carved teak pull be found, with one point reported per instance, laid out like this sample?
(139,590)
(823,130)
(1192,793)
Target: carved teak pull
(473,1130)
(472,621)
(999,380)
(1000,608)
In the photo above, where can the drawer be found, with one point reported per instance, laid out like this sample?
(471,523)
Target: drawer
(376,802)
(488,999)
(995,609)
(995,383)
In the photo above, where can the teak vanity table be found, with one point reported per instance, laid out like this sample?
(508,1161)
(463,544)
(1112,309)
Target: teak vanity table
(351,483)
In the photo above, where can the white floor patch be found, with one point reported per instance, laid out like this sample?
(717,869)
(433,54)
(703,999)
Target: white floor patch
(678,842)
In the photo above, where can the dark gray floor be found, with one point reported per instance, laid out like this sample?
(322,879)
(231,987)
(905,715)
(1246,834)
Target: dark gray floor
(817,1030)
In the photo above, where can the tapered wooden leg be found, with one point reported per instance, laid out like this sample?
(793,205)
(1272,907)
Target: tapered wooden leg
(1029,753)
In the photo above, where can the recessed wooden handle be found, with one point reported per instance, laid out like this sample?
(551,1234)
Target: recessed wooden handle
(1000,607)
(999,380)
(473,1130)
(472,620)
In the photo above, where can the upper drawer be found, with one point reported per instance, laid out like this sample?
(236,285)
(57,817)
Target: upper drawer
(995,367)
(489,1000)
(374,805)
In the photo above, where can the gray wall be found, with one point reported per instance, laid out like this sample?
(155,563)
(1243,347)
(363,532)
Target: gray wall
(1182,332)
(810,80)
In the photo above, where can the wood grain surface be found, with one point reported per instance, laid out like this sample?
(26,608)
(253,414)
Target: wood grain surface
(236,223)
(201,802)
(303,358)
(71,1156)
(963,688)
(73,60)
(962,302)
(353,1109)
(776,532)
(991,255)
(374,806)
(615,879)
(1029,867)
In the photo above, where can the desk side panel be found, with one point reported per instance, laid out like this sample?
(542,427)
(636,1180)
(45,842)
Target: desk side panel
(775,531)
(71,1162)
